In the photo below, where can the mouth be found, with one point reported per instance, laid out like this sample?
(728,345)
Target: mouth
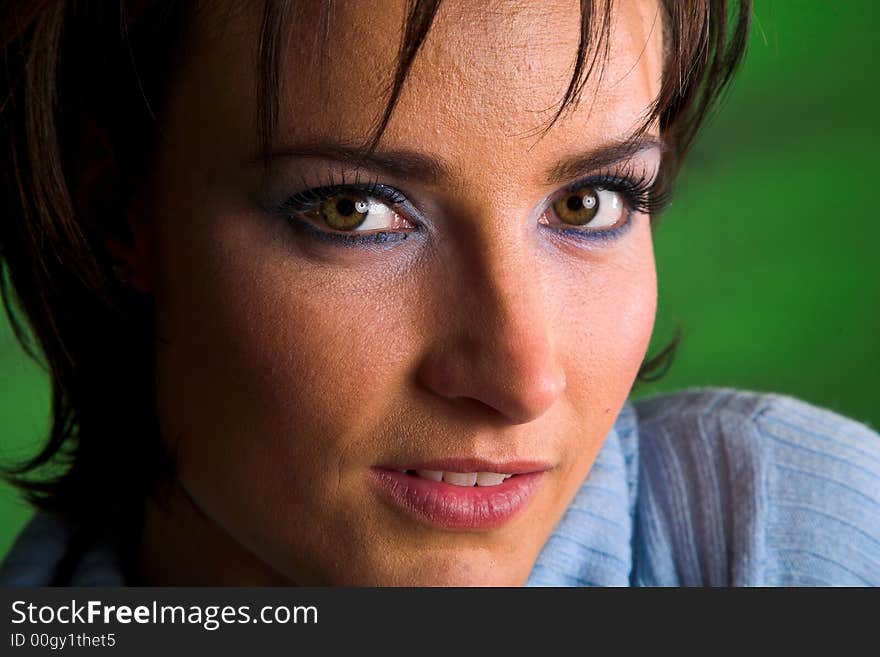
(461,478)
(460,494)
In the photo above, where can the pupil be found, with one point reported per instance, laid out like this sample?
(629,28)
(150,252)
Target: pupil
(574,203)
(345,206)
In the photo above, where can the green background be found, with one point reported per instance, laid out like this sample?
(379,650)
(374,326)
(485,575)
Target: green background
(767,257)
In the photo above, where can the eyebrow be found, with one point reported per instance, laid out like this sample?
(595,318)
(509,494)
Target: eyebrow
(603,157)
(412,165)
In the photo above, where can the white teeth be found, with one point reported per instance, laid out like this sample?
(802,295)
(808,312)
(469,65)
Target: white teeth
(460,478)
(433,475)
(463,478)
(490,478)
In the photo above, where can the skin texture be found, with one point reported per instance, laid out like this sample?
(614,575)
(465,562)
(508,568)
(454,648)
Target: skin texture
(288,366)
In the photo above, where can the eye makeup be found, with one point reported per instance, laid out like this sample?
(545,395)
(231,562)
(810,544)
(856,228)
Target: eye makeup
(638,187)
(297,206)
(637,190)
(349,239)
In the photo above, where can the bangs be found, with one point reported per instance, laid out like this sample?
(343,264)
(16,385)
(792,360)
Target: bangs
(703,40)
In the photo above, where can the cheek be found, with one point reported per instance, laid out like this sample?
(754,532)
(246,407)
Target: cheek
(271,374)
(620,328)
(271,341)
(608,308)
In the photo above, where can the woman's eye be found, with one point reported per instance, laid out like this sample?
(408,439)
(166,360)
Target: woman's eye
(356,212)
(345,212)
(590,207)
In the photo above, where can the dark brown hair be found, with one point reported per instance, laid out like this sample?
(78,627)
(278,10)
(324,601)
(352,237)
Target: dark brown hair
(76,70)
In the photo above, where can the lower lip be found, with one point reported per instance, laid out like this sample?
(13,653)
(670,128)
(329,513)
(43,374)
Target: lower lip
(457,507)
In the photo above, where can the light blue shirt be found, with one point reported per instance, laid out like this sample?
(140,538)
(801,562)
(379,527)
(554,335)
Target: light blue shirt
(707,487)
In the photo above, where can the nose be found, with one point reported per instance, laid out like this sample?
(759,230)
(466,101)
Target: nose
(493,341)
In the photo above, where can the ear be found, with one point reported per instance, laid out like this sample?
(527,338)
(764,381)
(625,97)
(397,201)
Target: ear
(114,209)
(138,253)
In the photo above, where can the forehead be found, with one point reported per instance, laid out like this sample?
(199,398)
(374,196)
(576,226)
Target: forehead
(488,70)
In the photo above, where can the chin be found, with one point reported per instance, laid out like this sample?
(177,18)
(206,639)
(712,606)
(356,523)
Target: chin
(440,570)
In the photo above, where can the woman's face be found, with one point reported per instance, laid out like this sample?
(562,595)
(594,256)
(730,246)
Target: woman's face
(469,306)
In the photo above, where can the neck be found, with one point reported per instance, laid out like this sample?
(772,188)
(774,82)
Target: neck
(182,546)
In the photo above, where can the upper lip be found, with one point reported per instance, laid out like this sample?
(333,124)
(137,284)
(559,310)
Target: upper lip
(474,465)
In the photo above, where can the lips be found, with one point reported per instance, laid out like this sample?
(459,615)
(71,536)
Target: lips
(466,496)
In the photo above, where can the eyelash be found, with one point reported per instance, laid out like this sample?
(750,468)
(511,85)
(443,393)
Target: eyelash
(312,196)
(639,188)
(639,191)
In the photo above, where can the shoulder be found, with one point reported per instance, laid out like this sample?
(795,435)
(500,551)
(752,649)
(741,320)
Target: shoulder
(744,487)
(727,425)
(45,547)
(35,552)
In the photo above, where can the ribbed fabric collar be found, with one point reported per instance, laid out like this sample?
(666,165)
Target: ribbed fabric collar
(592,544)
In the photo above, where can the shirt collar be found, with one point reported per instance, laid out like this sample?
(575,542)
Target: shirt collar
(592,543)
